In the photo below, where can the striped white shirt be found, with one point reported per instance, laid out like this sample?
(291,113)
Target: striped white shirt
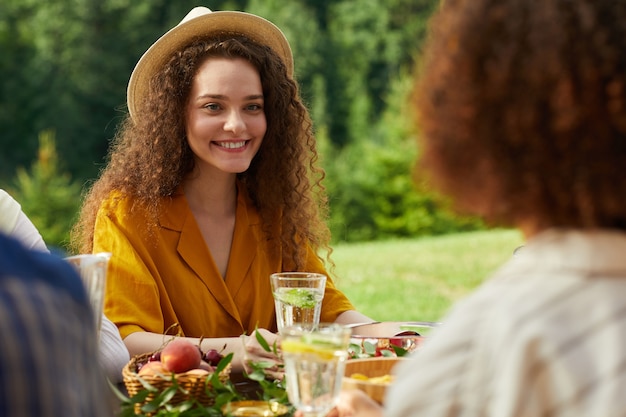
(546,336)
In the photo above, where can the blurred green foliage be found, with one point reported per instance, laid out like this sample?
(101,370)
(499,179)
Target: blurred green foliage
(48,195)
(374,194)
(65,66)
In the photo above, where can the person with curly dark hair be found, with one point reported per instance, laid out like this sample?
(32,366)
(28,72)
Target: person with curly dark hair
(212,185)
(521,108)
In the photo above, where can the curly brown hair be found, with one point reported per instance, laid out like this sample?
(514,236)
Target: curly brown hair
(522,110)
(150,156)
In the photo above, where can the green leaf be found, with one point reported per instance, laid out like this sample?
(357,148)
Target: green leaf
(262,341)
(264,364)
(223,363)
(169,392)
(225,397)
(257,375)
(182,407)
(147,385)
(299,297)
(274,390)
(151,406)
(140,397)
(119,394)
(369,348)
(399,351)
(215,381)
(354,347)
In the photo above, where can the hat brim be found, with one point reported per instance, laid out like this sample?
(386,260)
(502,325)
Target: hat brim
(210,24)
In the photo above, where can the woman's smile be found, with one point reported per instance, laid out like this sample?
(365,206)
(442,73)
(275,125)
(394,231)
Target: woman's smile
(231,145)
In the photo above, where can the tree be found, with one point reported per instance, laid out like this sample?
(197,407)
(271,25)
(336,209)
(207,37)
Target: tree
(373,194)
(48,195)
(17,81)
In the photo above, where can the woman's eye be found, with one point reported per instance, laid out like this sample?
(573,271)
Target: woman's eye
(254,107)
(212,106)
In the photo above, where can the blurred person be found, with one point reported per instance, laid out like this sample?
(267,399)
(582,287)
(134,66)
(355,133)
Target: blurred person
(15,223)
(212,186)
(522,111)
(48,349)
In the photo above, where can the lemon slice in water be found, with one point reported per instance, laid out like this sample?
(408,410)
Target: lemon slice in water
(322,348)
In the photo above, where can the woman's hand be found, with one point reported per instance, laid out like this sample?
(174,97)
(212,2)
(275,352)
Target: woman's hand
(255,352)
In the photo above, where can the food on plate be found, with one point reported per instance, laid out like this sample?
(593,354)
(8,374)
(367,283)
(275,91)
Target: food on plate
(370,375)
(387,339)
(383,379)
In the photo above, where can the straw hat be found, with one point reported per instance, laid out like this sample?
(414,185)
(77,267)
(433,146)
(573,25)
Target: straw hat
(202,22)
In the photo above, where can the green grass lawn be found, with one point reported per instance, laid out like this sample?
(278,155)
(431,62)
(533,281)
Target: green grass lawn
(419,279)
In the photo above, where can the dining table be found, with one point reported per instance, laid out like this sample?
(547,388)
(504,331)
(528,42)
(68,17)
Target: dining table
(372,339)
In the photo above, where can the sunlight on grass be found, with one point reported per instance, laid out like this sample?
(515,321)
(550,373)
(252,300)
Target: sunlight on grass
(419,279)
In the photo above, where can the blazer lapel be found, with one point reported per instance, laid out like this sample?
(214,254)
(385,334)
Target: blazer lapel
(245,243)
(193,250)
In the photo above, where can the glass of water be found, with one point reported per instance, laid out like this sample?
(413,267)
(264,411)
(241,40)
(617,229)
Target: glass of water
(314,363)
(92,269)
(298,298)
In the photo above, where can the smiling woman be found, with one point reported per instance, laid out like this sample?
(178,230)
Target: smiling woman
(225,119)
(212,186)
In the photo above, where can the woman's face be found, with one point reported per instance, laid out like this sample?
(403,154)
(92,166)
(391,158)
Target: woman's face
(225,115)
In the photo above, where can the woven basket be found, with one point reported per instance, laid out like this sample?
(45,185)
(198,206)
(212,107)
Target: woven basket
(195,386)
(370,367)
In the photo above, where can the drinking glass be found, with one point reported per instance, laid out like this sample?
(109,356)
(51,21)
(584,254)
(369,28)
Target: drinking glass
(93,270)
(298,298)
(314,364)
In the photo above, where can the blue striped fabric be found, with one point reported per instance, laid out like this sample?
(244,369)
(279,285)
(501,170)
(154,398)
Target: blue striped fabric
(48,346)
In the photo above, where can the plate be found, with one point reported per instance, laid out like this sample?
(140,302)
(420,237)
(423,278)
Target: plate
(388,338)
(255,409)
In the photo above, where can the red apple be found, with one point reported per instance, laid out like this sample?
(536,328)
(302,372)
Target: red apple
(180,355)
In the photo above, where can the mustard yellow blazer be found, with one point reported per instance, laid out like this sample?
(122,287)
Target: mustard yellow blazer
(166,277)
